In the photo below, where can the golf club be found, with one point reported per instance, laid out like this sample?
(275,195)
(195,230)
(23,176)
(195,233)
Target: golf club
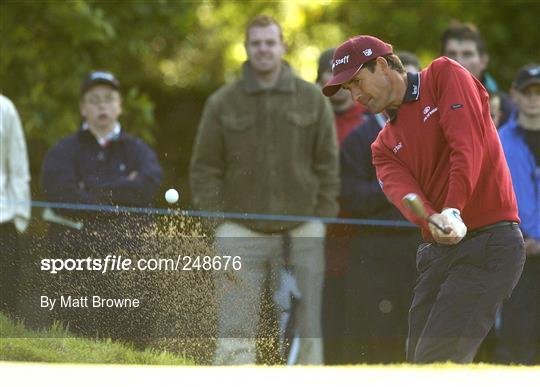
(50,216)
(414,203)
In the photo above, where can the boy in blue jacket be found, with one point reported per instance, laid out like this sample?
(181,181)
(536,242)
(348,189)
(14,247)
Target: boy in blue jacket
(100,164)
(519,331)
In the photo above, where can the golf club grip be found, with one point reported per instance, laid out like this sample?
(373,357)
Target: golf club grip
(444,230)
(413,202)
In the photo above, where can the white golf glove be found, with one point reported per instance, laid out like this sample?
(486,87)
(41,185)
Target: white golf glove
(453,219)
(288,288)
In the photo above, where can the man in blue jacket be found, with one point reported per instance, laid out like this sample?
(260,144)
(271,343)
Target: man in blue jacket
(100,164)
(519,331)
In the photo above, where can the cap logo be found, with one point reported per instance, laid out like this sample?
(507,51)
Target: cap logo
(368,52)
(343,60)
(102,75)
(534,71)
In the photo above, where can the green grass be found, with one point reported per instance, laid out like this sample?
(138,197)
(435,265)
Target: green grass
(57,345)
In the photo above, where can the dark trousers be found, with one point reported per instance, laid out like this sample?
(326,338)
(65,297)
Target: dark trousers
(518,338)
(378,293)
(10,267)
(333,317)
(458,291)
(337,245)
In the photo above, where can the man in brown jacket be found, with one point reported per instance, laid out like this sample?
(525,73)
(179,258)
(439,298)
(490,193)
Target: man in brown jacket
(266,144)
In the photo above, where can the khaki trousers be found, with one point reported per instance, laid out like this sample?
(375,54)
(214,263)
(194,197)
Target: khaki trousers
(239,292)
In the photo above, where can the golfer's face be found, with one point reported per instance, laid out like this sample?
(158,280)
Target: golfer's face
(265,49)
(370,89)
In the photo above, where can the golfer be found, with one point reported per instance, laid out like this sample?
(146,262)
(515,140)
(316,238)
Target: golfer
(440,143)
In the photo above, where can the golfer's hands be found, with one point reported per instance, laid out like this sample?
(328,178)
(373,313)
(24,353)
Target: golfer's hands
(450,220)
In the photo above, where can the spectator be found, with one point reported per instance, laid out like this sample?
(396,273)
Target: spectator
(464,43)
(14,203)
(100,164)
(381,268)
(348,114)
(519,330)
(267,144)
(409,61)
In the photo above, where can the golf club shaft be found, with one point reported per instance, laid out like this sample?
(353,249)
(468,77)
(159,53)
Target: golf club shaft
(414,203)
(50,216)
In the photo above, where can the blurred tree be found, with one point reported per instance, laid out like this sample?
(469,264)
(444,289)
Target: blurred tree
(213,50)
(508,26)
(47,47)
(171,54)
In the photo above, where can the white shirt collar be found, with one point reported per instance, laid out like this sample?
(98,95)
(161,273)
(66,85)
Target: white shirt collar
(111,136)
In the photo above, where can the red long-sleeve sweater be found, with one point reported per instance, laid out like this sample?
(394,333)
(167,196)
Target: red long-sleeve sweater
(443,146)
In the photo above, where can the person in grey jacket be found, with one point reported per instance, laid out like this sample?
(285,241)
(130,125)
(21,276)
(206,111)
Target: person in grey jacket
(266,144)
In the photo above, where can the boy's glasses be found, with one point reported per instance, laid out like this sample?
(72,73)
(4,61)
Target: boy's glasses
(95,100)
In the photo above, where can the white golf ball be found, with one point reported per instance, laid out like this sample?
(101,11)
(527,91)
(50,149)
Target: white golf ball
(171,196)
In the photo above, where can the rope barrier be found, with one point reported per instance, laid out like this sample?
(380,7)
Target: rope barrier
(211,214)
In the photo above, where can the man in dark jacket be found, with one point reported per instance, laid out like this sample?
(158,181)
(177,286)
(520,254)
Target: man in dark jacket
(381,268)
(376,298)
(348,115)
(99,164)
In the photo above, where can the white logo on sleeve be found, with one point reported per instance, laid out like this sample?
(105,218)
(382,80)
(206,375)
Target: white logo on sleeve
(368,52)
(428,112)
(398,146)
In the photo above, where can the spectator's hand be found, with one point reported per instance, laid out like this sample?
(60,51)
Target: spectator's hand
(532,247)
(449,219)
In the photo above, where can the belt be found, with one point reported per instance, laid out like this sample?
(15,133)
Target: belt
(491,227)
